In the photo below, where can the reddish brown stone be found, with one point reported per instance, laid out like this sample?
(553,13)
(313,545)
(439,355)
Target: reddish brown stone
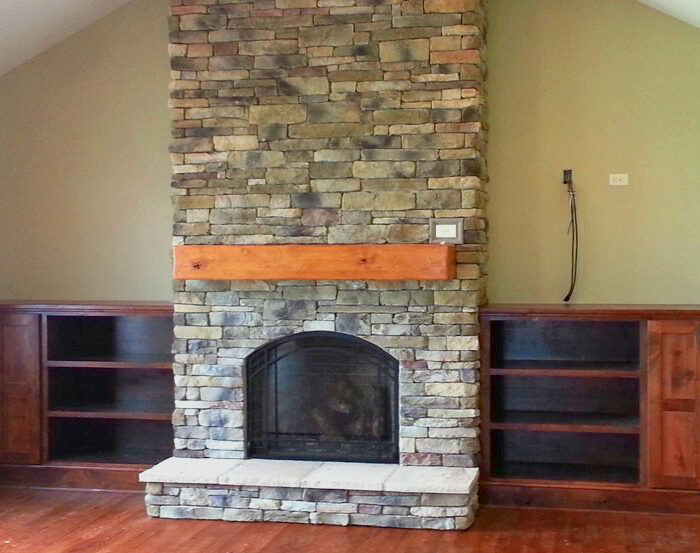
(456,56)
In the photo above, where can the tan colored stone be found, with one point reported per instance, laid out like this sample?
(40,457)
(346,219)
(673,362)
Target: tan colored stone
(242,142)
(401,116)
(404,50)
(268,47)
(252,159)
(438,43)
(383,169)
(468,271)
(335,112)
(412,234)
(386,201)
(424,128)
(457,298)
(277,113)
(193,202)
(459,153)
(456,56)
(452,389)
(455,182)
(198,332)
(326,35)
(335,185)
(304,86)
(356,76)
(287,175)
(450,6)
(460,30)
(329,130)
(436,141)
(289,4)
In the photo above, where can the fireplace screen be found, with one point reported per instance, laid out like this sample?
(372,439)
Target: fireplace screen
(322,396)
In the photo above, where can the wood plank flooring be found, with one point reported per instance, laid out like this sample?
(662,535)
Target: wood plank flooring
(46,521)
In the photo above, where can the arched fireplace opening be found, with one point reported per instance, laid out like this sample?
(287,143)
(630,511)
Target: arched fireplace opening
(322,396)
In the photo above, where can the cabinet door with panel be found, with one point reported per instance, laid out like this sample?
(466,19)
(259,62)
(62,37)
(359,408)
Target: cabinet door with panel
(674,404)
(20,389)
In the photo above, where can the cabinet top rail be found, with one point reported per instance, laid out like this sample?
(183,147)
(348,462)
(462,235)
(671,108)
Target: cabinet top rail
(86,308)
(603,311)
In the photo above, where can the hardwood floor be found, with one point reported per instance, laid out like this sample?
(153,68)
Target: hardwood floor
(45,521)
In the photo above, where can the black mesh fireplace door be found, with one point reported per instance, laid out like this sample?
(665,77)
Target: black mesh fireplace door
(322,396)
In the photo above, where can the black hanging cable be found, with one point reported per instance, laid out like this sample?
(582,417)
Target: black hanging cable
(573,230)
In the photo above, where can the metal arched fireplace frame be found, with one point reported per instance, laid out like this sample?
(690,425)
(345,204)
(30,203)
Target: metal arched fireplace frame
(322,396)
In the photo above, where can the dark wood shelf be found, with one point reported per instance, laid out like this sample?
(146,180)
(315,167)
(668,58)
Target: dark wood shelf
(567,472)
(141,364)
(563,367)
(566,373)
(562,398)
(566,422)
(107,414)
(110,459)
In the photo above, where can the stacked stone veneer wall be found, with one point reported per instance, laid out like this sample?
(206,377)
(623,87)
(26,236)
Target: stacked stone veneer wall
(312,506)
(329,121)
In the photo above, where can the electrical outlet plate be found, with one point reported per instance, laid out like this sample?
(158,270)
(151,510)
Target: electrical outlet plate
(449,231)
(621,179)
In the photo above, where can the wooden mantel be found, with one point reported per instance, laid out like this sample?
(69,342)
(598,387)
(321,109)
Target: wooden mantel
(316,262)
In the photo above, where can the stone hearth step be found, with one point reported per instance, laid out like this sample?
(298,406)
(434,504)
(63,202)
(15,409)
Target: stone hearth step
(314,474)
(366,494)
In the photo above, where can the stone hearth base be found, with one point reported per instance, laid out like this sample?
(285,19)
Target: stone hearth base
(361,494)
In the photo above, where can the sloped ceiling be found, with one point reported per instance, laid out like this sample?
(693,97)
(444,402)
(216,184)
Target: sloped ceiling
(686,10)
(29,27)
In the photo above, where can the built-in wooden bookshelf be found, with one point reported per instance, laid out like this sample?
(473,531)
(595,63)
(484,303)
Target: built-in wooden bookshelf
(104,394)
(588,406)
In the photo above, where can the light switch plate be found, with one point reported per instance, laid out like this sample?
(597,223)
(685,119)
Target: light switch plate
(449,231)
(622,179)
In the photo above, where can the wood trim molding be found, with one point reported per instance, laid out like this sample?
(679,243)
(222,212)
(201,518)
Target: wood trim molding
(316,262)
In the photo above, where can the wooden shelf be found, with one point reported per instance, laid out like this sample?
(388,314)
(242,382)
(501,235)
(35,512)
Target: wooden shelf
(142,364)
(109,415)
(566,422)
(561,399)
(570,472)
(567,373)
(316,262)
(110,459)
(563,366)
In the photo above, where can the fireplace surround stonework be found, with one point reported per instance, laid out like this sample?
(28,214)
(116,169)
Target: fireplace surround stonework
(327,122)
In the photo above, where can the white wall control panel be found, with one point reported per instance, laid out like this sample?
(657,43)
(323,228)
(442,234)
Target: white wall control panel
(445,230)
(620,179)
(450,231)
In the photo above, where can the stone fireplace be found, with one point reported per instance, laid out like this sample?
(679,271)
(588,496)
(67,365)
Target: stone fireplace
(326,122)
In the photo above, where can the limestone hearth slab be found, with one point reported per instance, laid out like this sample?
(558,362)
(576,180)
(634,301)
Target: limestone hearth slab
(349,476)
(416,479)
(188,471)
(315,475)
(269,472)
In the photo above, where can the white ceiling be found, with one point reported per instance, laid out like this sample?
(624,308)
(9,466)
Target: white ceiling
(28,27)
(686,10)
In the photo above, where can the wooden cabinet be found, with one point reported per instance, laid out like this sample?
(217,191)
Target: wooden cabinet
(20,389)
(674,405)
(591,406)
(86,393)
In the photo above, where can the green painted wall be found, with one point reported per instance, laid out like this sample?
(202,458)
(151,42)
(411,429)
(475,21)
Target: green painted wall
(599,86)
(84,166)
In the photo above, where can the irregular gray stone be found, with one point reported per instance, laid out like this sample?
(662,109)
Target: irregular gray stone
(243,515)
(281,310)
(385,521)
(198,513)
